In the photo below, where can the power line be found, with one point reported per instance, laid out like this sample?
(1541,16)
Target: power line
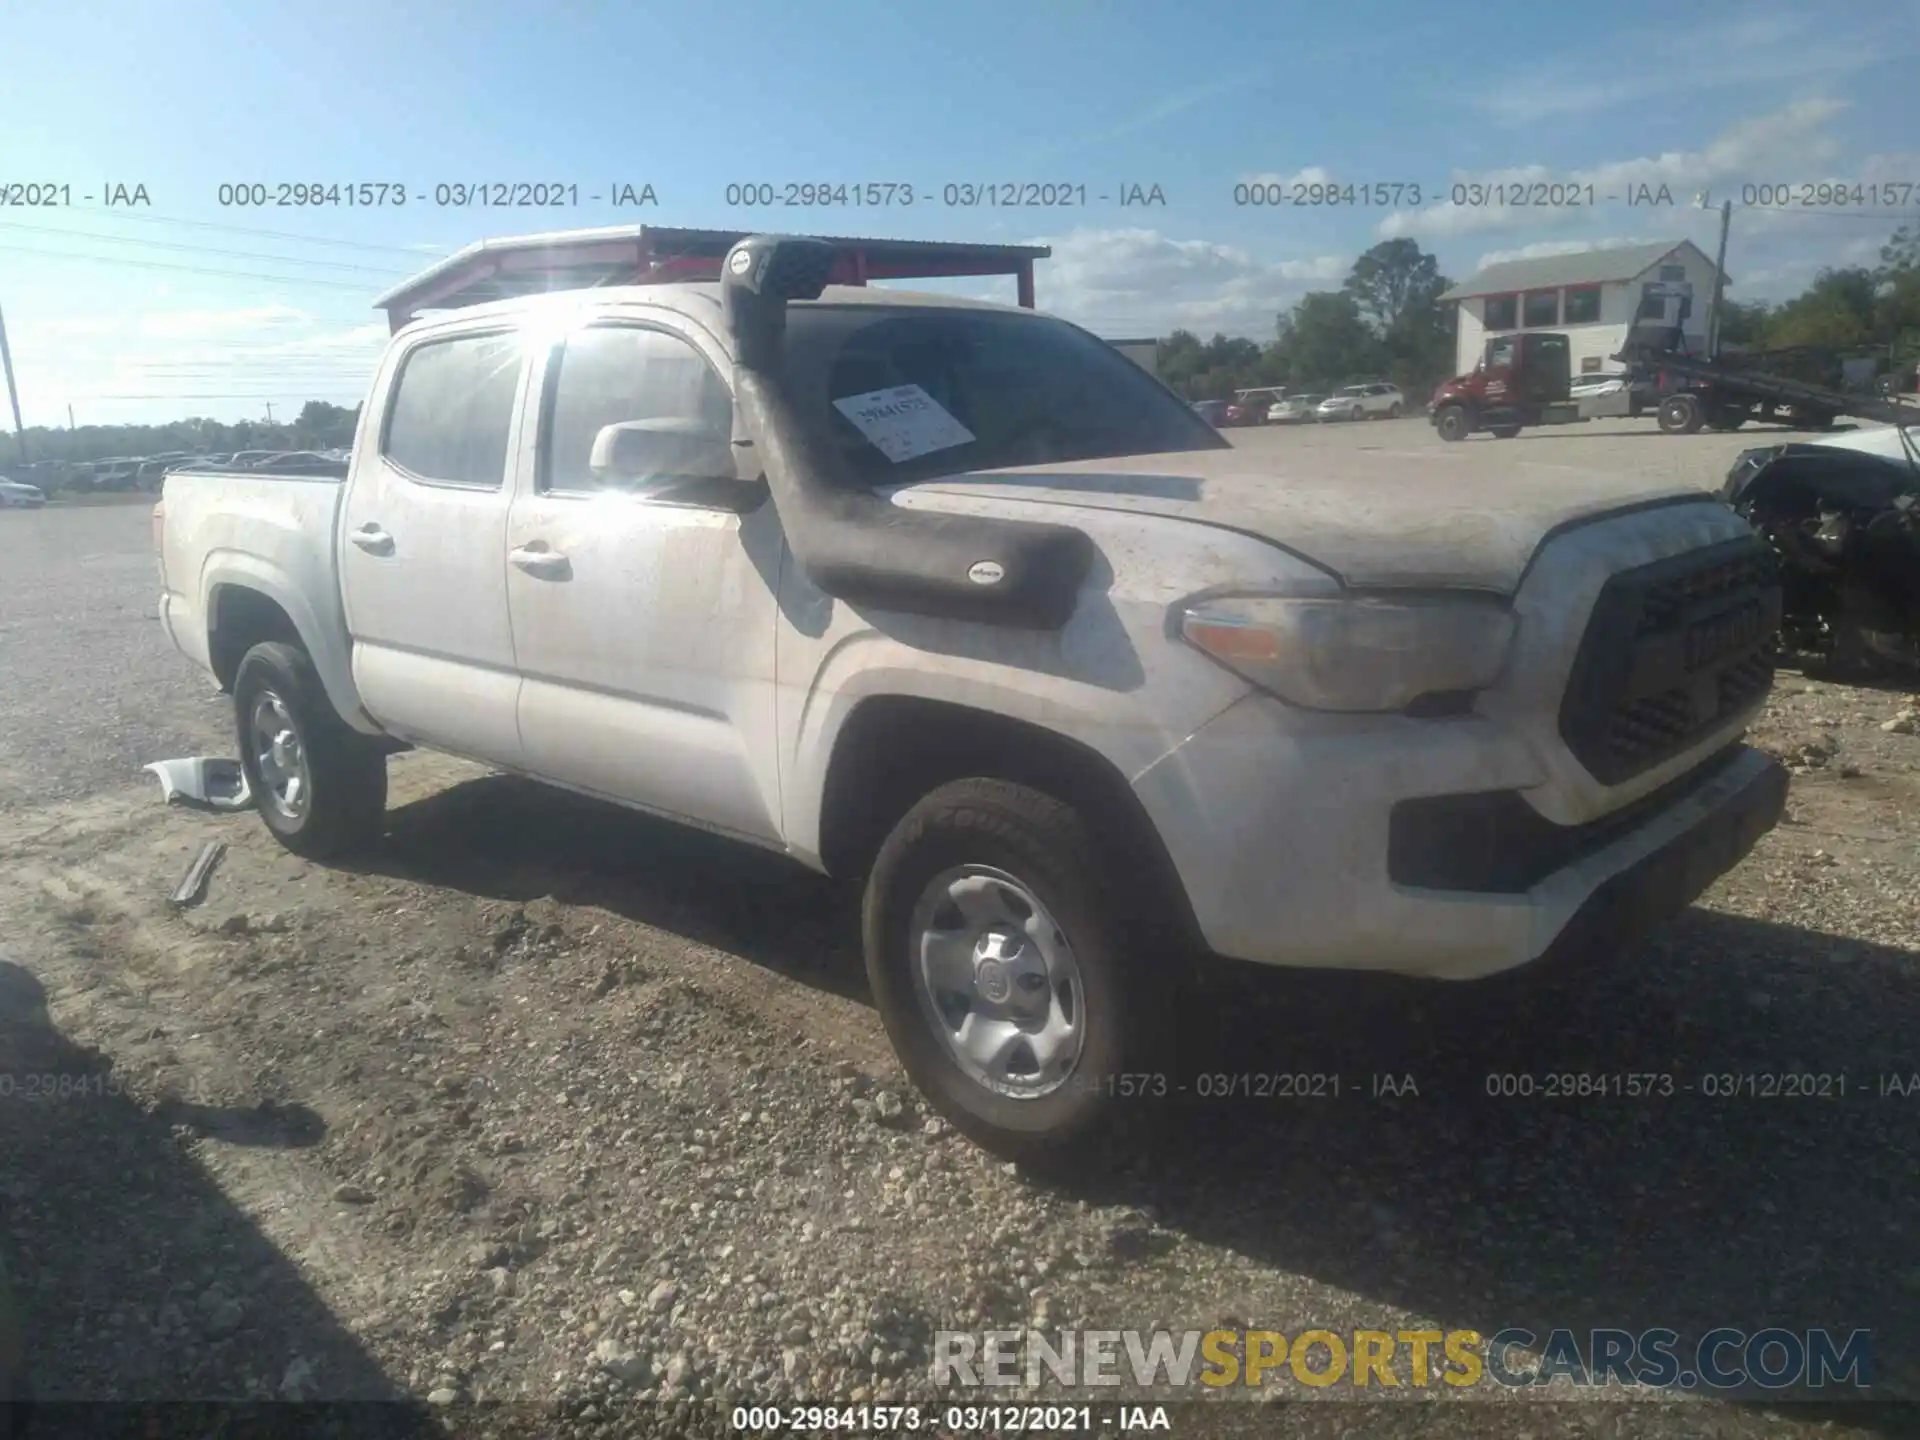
(202,249)
(424,257)
(189,269)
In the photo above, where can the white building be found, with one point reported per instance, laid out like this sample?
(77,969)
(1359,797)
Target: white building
(1144,353)
(1591,297)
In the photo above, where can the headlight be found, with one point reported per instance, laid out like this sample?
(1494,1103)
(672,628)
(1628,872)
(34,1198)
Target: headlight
(1357,654)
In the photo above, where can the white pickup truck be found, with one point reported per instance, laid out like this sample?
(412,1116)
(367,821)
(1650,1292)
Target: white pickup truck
(954,599)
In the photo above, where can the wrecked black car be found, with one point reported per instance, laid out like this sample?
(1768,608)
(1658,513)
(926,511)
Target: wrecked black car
(1844,527)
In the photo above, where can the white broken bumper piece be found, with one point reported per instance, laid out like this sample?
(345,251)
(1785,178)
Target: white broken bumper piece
(203,782)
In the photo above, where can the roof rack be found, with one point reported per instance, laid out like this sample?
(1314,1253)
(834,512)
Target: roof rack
(653,255)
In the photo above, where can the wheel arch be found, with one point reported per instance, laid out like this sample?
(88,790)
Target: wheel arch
(894,749)
(248,601)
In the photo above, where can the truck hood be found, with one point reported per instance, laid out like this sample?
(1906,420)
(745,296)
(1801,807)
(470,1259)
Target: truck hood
(1464,516)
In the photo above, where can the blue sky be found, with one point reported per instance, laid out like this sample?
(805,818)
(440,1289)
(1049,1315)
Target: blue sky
(186,306)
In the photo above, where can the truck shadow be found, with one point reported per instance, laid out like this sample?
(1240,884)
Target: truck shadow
(1442,1178)
(129,1277)
(505,838)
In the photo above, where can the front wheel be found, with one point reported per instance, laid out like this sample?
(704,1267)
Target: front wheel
(1453,423)
(1680,415)
(1002,963)
(320,785)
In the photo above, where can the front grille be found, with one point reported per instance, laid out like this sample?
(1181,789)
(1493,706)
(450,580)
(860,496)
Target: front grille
(1673,648)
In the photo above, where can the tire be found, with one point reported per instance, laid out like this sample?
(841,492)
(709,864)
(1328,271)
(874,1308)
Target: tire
(337,803)
(1503,432)
(1727,421)
(1016,849)
(1680,415)
(1394,411)
(1453,423)
(1818,421)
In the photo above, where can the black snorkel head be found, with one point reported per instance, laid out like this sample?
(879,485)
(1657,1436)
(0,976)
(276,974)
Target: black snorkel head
(760,275)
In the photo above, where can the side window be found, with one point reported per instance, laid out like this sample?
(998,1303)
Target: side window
(609,374)
(1499,353)
(451,410)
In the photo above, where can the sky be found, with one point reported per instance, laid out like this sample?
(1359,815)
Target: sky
(192,303)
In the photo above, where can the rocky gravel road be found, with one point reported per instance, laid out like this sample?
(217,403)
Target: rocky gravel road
(557,1112)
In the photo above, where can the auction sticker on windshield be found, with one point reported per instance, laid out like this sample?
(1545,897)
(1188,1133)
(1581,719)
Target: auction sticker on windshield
(904,422)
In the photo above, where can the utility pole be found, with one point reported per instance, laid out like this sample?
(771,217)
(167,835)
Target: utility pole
(70,424)
(13,395)
(269,412)
(1719,283)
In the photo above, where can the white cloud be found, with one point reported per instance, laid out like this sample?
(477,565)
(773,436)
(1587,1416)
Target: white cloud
(1540,249)
(1144,282)
(191,324)
(1752,52)
(1796,140)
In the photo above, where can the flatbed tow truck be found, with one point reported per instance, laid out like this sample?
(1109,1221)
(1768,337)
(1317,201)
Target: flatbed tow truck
(1525,379)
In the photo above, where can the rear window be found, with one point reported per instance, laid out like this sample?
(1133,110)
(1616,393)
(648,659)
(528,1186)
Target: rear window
(1029,390)
(452,409)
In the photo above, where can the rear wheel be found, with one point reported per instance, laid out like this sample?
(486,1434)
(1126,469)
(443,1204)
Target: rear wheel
(1680,415)
(1394,411)
(1005,969)
(320,785)
(1453,423)
(1727,420)
(1503,432)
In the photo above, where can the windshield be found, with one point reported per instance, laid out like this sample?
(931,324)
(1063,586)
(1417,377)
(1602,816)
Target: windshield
(1028,389)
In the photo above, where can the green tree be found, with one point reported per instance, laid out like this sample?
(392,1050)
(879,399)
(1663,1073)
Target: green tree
(1397,287)
(1327,342)
(1837,311)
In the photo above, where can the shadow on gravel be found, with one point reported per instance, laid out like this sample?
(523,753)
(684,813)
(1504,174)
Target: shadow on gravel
(1732,1202)
(1728,1202)
(133,1278)
(510,839)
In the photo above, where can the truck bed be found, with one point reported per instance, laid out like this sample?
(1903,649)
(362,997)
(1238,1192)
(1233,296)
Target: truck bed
(277,534)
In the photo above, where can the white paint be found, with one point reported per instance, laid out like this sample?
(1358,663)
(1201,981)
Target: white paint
(903,422)
(681,663)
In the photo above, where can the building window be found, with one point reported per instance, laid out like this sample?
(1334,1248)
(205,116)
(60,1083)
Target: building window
(1542,309)
(1583,305)
(1673,274)
(1503,312)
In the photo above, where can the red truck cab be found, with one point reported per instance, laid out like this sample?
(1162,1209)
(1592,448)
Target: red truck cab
(1520,380)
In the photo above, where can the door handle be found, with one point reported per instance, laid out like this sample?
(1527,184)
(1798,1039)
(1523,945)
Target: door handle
(540,562)
(372,539)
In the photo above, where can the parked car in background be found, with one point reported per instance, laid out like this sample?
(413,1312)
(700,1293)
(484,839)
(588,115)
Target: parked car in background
(1249,407)
(300,462)
(1211,411)
(247,459)
(1374,401)
(18,495)
(1293,409)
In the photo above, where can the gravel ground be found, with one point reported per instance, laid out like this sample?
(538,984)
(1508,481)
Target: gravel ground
(553,1105)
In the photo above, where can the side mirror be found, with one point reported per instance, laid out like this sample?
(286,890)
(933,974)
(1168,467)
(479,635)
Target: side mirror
(642,454)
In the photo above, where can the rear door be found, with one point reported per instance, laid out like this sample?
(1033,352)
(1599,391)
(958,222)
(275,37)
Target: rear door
(645,619)
(423,550)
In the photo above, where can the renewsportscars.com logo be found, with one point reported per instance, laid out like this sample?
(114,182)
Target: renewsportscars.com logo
(1721,1360)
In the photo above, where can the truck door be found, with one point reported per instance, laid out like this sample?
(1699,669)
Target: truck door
(644,619)
(1500,380)
(423,544)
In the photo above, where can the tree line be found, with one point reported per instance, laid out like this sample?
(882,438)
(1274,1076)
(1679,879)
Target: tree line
(1386,322)
(318,426)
